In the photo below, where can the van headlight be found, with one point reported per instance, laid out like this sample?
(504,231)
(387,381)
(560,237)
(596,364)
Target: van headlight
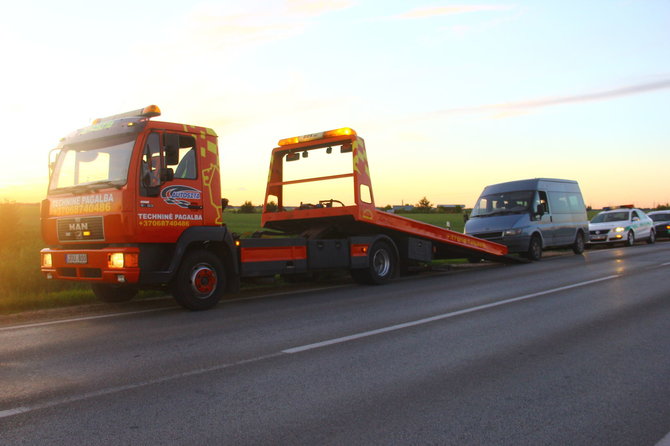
(515,231)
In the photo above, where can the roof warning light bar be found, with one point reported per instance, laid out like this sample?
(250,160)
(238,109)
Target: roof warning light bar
(345,131)
(146,112)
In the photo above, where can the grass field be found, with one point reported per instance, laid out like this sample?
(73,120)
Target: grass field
(22,287)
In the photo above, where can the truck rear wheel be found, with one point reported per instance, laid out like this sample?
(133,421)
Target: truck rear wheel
(111,293)
(381,267)
(200,281)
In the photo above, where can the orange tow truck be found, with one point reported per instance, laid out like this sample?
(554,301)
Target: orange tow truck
(136,203)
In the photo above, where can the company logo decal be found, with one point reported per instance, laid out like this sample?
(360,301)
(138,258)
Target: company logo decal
(180,195)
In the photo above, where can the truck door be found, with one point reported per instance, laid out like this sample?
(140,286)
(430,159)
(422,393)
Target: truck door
(170,189)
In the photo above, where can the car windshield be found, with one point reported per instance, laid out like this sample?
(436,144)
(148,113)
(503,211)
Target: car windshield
(102,163)
(605,217)
(660,217)
(503,203)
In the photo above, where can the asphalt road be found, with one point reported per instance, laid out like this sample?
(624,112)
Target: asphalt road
(572,350)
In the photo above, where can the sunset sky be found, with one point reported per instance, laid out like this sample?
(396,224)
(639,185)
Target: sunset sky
(449,95)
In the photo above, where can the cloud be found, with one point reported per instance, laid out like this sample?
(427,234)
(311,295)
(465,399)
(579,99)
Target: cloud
(435,11)
(313,7)
(250,24)
(515,108)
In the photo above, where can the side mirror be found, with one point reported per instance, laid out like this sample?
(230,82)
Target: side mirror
(466,217)
(171,149)
(167,174)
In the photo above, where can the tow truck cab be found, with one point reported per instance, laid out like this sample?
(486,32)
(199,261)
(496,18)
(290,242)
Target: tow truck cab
(126,194)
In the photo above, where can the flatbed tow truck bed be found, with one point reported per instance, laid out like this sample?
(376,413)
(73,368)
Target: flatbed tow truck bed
(331,234)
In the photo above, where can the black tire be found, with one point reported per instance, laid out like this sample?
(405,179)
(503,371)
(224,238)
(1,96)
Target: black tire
(200,281)
(382,266)
(579,245)
(630,238)
(113,293)
(534,248)
(652,237)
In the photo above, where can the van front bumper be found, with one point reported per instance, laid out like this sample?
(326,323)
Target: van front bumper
(515,243)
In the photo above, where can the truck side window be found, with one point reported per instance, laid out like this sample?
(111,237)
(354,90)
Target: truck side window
(151,161)
(187,166)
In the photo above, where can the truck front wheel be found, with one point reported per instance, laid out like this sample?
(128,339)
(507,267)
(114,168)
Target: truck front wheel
(200,281)
(113,293)
(382,265)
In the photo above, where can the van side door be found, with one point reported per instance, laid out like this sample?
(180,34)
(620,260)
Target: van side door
(564,231)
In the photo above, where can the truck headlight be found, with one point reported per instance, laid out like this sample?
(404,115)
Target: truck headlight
(515,231)
(47,262)
(118,260)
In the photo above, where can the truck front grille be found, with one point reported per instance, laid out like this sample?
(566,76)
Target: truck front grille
(81,229)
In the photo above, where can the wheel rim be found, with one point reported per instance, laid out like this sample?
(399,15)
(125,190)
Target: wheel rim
(536,248)
(203,280)
(381,263)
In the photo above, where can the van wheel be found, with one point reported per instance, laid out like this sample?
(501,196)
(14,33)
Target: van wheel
(200,281)
(112,293)
(630,238)
(652,237)
(579,245)
(382,265)
(534,248)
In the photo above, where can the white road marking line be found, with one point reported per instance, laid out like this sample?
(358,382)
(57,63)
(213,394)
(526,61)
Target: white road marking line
(427,320)
(665,441)
(84,318)
(117,389)
(111,390)
(10,412)
(153,310)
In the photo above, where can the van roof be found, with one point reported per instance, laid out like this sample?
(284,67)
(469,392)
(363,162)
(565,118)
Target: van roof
(554,184)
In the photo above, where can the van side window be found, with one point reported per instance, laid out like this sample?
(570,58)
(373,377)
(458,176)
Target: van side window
(559,202)
(544,201)
(576,203)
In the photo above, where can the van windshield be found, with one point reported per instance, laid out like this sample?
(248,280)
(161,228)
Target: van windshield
(503,203)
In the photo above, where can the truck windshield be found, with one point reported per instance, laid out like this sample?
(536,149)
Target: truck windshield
(503,203)
(92,166)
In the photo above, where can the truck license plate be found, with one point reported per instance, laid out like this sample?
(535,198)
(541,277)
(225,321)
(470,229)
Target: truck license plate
(76,258)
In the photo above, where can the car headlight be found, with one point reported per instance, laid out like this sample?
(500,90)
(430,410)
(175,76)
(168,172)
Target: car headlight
(515,231)
(618,229)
